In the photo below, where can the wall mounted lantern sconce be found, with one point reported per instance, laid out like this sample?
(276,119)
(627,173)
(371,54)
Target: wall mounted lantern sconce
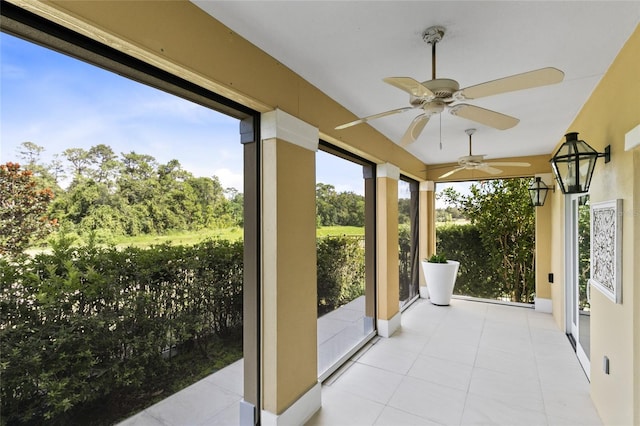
(574,162)
(538,192)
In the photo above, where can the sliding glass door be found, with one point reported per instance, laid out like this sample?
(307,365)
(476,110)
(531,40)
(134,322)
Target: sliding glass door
(578,273)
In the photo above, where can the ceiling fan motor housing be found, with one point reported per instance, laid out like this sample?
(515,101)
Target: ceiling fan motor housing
(443,88)
(471,161)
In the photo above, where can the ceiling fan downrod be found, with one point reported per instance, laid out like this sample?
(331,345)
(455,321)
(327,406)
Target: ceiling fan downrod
(433,35)
(470,132)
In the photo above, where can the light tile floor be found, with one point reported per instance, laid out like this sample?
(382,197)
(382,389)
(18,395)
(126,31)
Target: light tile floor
(341,330)
(470,363)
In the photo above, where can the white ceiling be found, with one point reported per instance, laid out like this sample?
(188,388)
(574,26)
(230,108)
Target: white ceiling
(346,48)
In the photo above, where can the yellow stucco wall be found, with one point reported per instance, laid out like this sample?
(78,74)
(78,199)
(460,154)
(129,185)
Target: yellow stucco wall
(612,110)
(557,259)
(543,245)
(387,246)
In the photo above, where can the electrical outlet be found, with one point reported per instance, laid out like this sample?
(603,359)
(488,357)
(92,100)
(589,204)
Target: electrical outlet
(551,277)
(605,365)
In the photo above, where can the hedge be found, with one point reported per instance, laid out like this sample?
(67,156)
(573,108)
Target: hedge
(340,271)
(80,323)
(477,277)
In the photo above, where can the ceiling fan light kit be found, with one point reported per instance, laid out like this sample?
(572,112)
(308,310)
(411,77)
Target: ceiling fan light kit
(439,94)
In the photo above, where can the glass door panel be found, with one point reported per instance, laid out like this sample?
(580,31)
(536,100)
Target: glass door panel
(578,269)
(345,256)
(583,273)
(407,240)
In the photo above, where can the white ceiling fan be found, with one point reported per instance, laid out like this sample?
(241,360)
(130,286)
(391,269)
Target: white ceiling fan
(476,162)
(436,95)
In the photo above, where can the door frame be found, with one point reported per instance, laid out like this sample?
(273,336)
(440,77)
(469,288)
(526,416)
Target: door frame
(572,295)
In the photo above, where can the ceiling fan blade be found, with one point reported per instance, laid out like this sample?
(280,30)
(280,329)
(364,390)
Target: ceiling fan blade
(372,117)
(527,80)
(509,163)
(484,116)
(450,172)
(411,86)
(485,167)
(414,130)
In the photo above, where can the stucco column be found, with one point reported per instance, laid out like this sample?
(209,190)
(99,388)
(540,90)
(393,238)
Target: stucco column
(387,249)
(427,230)
(543,302)
(290,390)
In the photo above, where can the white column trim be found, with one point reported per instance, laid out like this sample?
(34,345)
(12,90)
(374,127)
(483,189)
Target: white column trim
(632,138)
(281,125)
(543,305)
(299,412)
(427,185)
(386,328)
(388,170)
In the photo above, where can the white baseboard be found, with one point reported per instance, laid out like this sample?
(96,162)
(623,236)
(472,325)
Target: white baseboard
(386,328)
(299,412)
(544,305)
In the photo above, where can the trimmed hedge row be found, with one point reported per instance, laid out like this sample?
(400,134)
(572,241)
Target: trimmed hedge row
(478,275)
(80,323)
(340,271)
(475,275)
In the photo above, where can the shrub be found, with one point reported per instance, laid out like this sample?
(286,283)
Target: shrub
(80,323)
(476,276)
(437,258)
(340,264)
(83,323)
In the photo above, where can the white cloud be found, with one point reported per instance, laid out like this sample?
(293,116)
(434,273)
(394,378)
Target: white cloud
(230,179)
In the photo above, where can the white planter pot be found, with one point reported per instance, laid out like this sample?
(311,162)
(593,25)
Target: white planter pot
(440,279)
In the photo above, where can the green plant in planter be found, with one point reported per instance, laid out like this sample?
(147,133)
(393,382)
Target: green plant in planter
(437,258)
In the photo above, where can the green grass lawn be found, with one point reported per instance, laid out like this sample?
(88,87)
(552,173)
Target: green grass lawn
(349,231)
(181,238)
(195,237)
(232,234)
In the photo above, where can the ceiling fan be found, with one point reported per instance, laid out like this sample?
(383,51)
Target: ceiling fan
(436,95)
(476,162)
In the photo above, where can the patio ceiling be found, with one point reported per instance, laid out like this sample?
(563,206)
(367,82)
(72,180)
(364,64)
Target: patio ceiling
(346,48)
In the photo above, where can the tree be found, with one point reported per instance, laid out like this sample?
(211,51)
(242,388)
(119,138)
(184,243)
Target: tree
(236,205)
(22,209)
(325,205)
(56,169)
(504,217)
(30,153)
(105,163)
(338,208)
(79,159)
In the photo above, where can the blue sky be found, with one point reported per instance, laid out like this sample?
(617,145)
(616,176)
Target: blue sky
(59,102)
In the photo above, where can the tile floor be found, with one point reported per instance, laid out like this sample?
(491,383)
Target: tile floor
(470,363)
(339,331)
